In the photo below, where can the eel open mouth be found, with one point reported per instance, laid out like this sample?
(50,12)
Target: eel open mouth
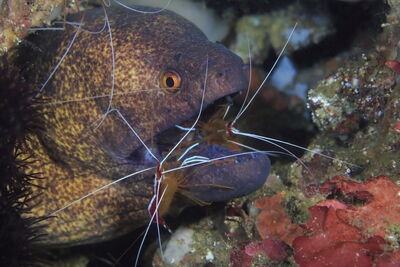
(234,173)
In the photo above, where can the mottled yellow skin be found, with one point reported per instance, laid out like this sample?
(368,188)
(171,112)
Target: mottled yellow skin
(75,153)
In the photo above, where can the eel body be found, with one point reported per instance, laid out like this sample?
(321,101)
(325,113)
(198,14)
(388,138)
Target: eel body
(79,149)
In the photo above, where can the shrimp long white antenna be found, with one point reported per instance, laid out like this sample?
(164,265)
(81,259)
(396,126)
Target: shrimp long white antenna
(133,91)
(134,132)
(249,84)
(99,189)
(45,29)
(60,61)
(79,28)
(266,77)
(67,22)
(187,150)
(273,141)
(142,11)
(149,225)
(218,158)
(228,107)
(107,22)
(270,153)
(195,159)
(195,122)
(242,145)
(158,201)
(73,23)
(185,128)
(235,131)
(85,30)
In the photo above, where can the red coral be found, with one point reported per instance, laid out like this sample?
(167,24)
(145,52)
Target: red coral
(396,127)
(332,242)
(344,235)
(394,65)
(273,222)
(272,248)
(243,255)
(382,207)
(239,257)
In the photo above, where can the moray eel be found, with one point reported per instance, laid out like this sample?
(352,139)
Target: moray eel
(79,149)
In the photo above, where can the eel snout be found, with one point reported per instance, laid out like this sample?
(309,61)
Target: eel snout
(227,73)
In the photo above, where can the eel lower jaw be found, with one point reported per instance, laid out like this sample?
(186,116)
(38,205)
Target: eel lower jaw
(237,175)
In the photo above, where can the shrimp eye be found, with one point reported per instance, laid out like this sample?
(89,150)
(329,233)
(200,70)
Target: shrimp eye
(171,82)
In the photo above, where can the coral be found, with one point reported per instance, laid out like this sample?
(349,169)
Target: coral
(339,102)
(381,208)
(358,106)
(351,232)
(273,248)
(273,222)
(331,242)
(394,65)
(245,253)
(239,257)
(396,127)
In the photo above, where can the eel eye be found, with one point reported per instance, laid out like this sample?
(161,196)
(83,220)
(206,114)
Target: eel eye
(171,82)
